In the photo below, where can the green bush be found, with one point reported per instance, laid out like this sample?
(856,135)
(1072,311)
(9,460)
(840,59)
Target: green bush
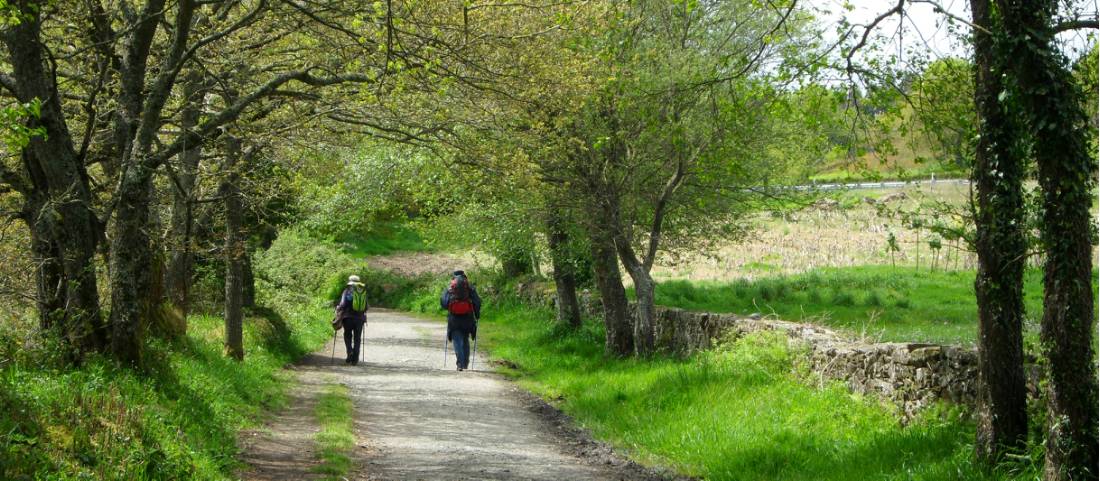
(843,298)
(873,299)
(297,268)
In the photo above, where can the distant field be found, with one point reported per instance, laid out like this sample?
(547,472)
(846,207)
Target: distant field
(850,233)
(829,264)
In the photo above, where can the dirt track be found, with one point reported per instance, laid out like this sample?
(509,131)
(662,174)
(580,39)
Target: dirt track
(418,421)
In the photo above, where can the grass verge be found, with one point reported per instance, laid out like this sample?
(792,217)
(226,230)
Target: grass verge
(178,419)
(336,439)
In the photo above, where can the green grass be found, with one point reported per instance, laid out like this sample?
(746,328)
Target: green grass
(745,411)
(882,302)
(178,419)
(387,239)
(336,438)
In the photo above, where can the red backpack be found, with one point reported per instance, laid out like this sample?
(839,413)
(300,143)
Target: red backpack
(458,297)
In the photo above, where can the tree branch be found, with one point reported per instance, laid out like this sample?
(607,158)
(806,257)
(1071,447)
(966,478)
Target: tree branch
(1077,24)
(162,84)
(936,7)
(898,9)
(209,129)
(659,213)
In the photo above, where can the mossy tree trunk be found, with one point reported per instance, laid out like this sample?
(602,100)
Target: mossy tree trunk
(181,259)
(565,280)
(65,230)
(619,334)
(234,252)
(1058,126)
(1002,249)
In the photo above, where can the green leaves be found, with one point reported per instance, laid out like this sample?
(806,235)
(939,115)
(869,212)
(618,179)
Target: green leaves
(15,130)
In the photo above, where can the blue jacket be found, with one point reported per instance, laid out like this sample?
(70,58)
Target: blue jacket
(343,309)
(466,322)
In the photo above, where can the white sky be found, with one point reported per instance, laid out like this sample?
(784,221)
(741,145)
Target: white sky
(926,30)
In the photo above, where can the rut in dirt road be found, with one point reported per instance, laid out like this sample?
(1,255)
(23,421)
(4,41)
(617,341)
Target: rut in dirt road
(416,421)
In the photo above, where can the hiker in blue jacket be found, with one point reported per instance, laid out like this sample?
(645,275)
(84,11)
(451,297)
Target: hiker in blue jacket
(352,313)
(463,307)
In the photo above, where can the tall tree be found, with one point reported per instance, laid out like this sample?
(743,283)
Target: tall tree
(1058,127)
(234,250)
(998,174)
(54,182)
(181,227)
(680,127)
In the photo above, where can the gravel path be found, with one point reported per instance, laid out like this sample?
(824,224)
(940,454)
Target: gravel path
(418,421)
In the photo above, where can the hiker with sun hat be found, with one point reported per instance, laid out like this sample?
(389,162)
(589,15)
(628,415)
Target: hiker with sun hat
(352,313)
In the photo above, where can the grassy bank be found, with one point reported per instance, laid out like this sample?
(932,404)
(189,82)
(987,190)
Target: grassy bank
(386,239)
(177,420)
(745,411)
(336,438)
(881,302)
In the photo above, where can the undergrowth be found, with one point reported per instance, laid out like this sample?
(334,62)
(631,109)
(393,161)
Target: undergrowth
(385,238)
(177,419)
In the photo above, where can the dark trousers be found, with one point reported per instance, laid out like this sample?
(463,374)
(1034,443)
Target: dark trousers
(461,340)
(353,336)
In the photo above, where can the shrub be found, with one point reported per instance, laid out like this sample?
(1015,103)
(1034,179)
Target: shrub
(843,298)
(297,267)
(873,299)
(815,296)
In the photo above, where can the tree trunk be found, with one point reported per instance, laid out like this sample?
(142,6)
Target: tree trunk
(569,309)
(1002,247)
(645,316)
(132,301)
(248,288)
(181,259)
(136,272)
(234,253)
(64,226)
(1059,128)
(616,313)
(49,274)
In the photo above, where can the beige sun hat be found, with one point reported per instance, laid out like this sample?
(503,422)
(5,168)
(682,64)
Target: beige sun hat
(353,280)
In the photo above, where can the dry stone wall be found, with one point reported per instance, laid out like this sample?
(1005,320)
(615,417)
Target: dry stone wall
(911,375)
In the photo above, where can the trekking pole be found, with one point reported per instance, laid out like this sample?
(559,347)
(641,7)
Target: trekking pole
(332,360)
(444,351)
(362,348)
(473,352)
